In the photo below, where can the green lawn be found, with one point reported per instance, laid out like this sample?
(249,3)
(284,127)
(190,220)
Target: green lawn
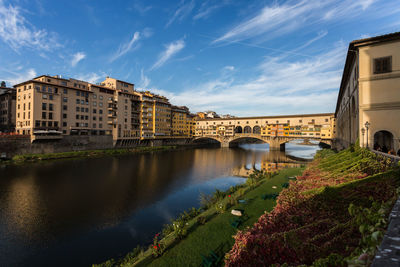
(217,233)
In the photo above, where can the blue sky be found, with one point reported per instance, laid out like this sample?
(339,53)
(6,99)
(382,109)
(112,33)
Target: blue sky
(244,57)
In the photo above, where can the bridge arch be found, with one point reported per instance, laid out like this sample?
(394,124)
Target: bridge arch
(247,129)
(238,129)
(256,129)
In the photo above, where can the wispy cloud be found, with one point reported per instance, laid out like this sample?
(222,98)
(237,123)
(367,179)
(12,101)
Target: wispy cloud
(271,90)
(144,80)
(92,77)
(140,8)
(182,12)
(132,44)
(170,50)
(17,32)
(209,7)
(77,57)
(281,18)
(18,77)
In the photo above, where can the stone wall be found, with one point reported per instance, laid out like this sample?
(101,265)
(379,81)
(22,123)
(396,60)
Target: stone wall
(17,144)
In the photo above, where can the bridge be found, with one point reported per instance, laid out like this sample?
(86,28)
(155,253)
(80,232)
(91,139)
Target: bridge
(274,130)
(274,142)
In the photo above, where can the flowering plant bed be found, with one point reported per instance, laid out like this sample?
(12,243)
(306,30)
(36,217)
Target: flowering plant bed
(311,220)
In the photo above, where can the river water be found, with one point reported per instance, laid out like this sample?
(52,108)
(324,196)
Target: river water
(83,211)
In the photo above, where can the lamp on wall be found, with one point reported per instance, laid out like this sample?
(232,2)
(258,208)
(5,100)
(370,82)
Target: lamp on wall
(367,124)
(363,133)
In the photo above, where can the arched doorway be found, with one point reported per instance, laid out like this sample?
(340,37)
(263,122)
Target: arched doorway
(384,141)
(256,129)
(247,129)
(238,129)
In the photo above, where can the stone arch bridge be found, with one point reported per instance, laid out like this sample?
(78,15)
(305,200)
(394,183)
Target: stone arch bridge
(275,142)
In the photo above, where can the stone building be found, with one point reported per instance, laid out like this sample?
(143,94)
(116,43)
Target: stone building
(368,105)
(7,109)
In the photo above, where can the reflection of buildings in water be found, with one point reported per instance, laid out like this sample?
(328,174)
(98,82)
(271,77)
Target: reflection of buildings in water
(270,162)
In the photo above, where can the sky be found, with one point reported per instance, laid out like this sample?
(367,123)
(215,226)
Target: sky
(238,57)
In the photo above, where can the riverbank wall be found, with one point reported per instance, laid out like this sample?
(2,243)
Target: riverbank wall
(11,146)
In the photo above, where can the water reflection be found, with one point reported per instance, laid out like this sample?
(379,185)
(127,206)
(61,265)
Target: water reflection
(79,212)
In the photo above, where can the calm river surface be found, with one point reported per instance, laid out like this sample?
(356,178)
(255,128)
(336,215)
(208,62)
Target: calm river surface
(84,211)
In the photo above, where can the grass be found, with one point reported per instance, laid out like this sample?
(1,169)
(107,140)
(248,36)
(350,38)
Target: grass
(86,154)
(216,234)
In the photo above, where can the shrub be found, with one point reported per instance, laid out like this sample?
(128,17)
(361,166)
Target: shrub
(201,220)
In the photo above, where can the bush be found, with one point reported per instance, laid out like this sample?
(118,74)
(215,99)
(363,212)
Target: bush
(201,220)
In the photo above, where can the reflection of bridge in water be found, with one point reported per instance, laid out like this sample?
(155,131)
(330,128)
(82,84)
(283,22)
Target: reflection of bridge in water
(270,162)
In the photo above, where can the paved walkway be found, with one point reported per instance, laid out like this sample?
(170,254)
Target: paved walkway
(389,250)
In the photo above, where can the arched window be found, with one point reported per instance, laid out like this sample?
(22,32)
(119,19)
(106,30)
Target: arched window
(247,129)
(238,129)
(256,129)
(383,140)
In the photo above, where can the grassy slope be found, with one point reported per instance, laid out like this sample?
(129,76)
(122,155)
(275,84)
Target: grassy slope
(217,233)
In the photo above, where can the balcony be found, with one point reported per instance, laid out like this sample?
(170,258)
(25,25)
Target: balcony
(112,115)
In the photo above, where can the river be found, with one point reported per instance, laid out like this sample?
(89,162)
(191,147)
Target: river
(83,211)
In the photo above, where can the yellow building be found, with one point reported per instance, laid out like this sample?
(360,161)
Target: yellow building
(368,105)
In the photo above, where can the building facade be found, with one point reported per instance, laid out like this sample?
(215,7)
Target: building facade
(48,107)
(368,105)
(7,109)
(319,126)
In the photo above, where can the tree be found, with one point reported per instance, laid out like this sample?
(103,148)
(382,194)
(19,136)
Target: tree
(3,84)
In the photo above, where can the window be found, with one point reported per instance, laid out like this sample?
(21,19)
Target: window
(37,123)
(44,96)
(101,97)
(86,109)
(50,115)
(94,96)
(77,92)
(382,65)
(44,106)
(64,124)
(326,120)
(51,97)
(300,121)
(77,109)
(77,101)
(64,115)
(51,107)
(82,102)
(100,125)
(86,117)
(100,111)
(43,115)
(94,104)
(100,118)
(82,109)
(65,91)
(94,125)
(77,117)
(100,104)
(94,110)
(65,99)
(94,118)
(43,124)
(50,123)
(65,107)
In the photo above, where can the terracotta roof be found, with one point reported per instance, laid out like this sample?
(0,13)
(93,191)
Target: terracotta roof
(269,117)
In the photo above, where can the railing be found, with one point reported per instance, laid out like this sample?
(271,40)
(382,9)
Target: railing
(394,158)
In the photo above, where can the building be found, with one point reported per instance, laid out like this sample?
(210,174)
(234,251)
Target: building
(309,126)
(368,105)
(7,109)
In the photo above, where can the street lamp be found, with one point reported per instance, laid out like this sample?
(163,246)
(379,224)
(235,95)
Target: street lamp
(362,132)
(367,124)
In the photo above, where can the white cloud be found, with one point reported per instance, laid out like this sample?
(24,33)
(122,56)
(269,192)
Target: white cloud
(126,47)
(145,81)
(207,8)
(91,77)
(17,32)
(230,68)
(279,87)
(20,77)
(278,19)
(77,57)
(170,50)
(182,12)
(132,44)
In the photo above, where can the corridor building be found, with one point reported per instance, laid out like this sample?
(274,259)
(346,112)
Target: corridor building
(368,105)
